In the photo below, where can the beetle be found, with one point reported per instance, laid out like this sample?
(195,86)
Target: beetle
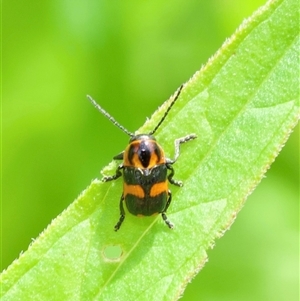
(146,171)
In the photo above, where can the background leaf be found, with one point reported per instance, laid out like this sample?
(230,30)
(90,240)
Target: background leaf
(225,150)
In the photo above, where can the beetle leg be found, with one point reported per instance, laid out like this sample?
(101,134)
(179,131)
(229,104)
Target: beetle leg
(115,176)
(180,141)
(163,214)
(122,214)
(170,176)
(119,156)
(169,162)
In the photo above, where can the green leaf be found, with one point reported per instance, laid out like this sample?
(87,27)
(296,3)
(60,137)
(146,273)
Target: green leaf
(242,105)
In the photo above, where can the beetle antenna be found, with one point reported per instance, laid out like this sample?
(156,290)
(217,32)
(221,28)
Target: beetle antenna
(112,119)
(168,110)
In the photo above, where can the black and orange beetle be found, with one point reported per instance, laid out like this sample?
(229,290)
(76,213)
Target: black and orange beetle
(145,171)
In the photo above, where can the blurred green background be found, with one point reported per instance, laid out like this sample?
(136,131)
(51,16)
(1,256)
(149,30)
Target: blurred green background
(130,56)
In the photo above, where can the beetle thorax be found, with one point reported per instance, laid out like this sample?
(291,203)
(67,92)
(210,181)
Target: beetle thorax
(143,152)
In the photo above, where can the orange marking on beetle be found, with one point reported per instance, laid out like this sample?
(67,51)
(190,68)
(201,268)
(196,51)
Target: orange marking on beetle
(154,160)
(158,188)
(135,190)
